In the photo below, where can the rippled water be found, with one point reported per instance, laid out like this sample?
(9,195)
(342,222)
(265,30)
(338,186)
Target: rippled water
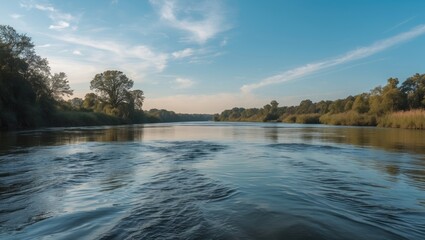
(213,181)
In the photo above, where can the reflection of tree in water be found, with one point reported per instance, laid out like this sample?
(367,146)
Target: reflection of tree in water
(56,137)
(272,133)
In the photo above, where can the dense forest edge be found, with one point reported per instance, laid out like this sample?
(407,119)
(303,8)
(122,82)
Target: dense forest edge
(31,96)
(393,105)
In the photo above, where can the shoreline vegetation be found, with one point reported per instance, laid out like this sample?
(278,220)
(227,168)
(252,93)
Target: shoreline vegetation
(31,96)
(391,106)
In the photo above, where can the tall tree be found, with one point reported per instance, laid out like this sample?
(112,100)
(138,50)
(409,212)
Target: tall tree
(414,91)
(20,57)
(391,96)
(58,86)
(138,98)
(113,87)
(360,103)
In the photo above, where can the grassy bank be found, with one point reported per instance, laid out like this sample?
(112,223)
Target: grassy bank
(350,118)
(414,119)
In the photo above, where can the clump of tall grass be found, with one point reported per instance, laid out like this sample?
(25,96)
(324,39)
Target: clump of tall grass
(413,119)
(303,118)
(350,118)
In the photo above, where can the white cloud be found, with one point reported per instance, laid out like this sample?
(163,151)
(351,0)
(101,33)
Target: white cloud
(140,56)
(347,57)
(399,24)
(77,52)
(183,53)
(59,25)
(45,8)
(184,83)
(203,20)
(16,16)
(60,19)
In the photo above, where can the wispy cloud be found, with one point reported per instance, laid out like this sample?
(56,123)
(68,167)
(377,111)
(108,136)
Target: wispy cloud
(45,7)
(44,45)
(61,20)
(184,83)
(140,56)
(203,20)
(183,53)
(16,16)
(356,54)
(399,24)
(77,52)
(59,25)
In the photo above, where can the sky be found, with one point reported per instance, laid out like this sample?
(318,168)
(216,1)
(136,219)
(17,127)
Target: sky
(207,56)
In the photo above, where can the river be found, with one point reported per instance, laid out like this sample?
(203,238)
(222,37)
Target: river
(212,181)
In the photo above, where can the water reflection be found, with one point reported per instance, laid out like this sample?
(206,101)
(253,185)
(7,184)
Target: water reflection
(398,140)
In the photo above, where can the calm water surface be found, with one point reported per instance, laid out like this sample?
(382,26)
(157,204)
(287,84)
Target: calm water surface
(213,181)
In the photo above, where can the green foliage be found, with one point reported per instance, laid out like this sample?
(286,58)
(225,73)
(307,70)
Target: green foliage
(112,86)
(23,98)
(58,86)
(162,115)
(413,90)
(360,103)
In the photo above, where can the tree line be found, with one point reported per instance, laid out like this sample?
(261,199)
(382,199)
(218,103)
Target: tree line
(32,96)
(393,105)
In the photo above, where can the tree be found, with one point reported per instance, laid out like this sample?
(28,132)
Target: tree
(413,90)
(138,98)
(58,86)
(23,91)
(113,87)
(360,103)
(90,101)
(391,96)
(76,103)
(306,106)
(19,56)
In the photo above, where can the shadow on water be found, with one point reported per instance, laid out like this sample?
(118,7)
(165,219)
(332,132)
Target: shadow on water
(66,136)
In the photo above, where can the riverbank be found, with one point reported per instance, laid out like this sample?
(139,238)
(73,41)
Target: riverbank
(414,119)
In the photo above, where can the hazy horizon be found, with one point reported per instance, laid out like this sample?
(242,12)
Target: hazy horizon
(208,56)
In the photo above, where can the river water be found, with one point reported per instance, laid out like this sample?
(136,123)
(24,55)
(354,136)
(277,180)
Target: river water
(213,181)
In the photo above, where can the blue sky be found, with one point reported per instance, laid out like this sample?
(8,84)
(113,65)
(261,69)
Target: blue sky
(207,56)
